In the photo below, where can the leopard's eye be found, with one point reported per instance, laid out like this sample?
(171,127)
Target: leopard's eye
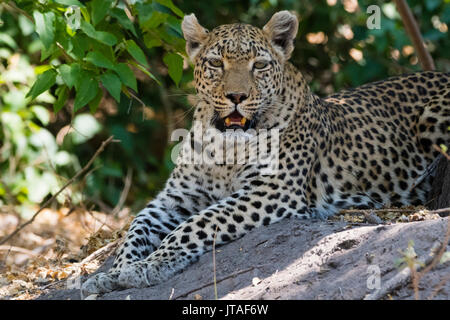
(260,64)
(216,63)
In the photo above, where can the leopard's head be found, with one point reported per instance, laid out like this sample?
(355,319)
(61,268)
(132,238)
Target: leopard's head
(238,68)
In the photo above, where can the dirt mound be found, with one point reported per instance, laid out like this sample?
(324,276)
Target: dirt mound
(304,260)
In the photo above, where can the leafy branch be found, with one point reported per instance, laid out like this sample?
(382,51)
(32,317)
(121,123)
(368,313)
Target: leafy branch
(98,44)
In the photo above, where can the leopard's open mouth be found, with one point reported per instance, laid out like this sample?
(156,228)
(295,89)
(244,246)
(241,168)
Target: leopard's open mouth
(234,121)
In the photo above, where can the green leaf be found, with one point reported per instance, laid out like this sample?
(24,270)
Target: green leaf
(113,84)
(26,26)
(49,51)
(123,19)
(126,75)
(175,64)
(175,25)
(99,10)
(99,60)
(86,15)
(106,38)
(43,82)
(136,52)
(65,72)
(148,73)
(155,20)
(85,93)
(101,36)
(62,93)
(144,11)
(169,4)
(70,3)
(45,27)
(7,39)
(80,44)
(42,68)
(70,74)
(93,105)
(150,41)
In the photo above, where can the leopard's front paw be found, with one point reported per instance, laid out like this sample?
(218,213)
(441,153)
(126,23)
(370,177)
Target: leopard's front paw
(100,283)
(141,274)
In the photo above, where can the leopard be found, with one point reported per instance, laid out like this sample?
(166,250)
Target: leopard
(367,147)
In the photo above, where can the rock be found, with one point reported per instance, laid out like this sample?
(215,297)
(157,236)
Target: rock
(335,263)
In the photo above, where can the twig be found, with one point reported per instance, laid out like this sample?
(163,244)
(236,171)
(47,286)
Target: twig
(93,256)
(214,263)
(437,148)
(412,29)
(416,276)
(439,210)
(366,211)
(49,201)
(428,171)
(100,252)
(124,194)
(102,223)
(439,255)
(400,279)
(438,287)
(12,7)
(403,277)
(103,206)
(18,250)
(218,281)
(135,97)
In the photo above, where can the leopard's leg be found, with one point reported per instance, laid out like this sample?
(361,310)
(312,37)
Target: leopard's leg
(229,219)
(147,230)
(161,216)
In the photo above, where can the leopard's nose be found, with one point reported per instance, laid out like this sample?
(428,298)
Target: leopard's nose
(237,98)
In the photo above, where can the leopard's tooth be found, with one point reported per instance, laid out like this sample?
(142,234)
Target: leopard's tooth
(227,121)
(243,121)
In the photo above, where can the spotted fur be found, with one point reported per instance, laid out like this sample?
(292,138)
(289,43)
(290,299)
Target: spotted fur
(367,147)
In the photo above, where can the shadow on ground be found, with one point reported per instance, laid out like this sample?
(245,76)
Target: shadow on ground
(296,259)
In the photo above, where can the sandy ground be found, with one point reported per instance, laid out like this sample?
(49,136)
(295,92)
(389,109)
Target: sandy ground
(297,259)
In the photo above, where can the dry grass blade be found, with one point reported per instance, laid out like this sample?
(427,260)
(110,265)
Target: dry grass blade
(124,194)
(214,263)
(218,281)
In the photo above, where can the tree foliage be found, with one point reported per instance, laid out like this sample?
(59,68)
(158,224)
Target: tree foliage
(74,72)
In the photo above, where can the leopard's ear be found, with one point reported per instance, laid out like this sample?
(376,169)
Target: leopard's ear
(194,34)
(281,31)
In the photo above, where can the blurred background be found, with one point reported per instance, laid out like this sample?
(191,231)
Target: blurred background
(40,149)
